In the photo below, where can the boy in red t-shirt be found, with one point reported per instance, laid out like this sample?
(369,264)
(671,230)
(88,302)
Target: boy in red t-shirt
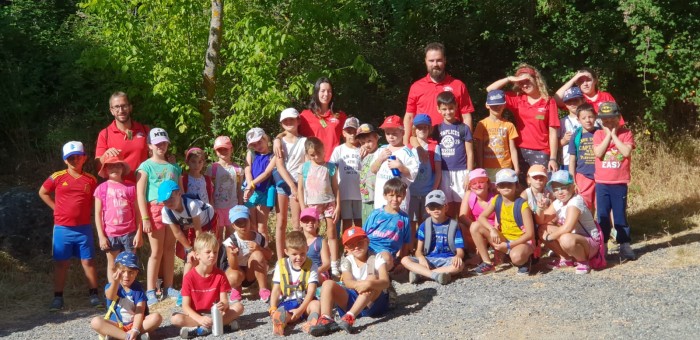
(72,233)
(202,288)
(613,147)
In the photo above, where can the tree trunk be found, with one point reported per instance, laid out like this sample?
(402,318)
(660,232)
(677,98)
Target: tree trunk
(211,61)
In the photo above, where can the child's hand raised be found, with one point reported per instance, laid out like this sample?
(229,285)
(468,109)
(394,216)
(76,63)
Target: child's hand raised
(116,275)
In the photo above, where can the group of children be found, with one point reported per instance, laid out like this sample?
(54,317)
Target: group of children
(422,205)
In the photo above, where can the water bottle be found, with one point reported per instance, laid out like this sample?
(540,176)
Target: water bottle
(396,172)
(217,327)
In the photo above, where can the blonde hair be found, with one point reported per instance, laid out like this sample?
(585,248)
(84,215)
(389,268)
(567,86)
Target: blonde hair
(295,240)
(539,81)
(205,241)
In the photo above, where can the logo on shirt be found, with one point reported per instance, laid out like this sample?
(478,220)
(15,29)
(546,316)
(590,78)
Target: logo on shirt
(447,88)
(65,184)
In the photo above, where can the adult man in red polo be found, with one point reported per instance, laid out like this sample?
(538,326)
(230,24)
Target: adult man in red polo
(423,93)
(123,137)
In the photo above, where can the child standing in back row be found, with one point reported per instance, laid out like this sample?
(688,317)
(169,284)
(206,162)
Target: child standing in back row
(369,139)
(581,155)
(72,232)
(226,177)
(347,160)
(260,192)
(495,138)
(573,97)
(194,182)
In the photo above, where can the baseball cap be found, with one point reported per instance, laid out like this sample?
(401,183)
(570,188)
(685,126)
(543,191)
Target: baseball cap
(537,170)
(435,196)
(392,122)
(365,129)
(351,122)
(506,176)
(289,112)
(113,160)
(255,134)
(238,212)
(73,148)
(309,212)
(157,136)
(572,93)
(496,97)
(422,119)
(166,189)
(128,259)
(561,177)
(477,173)
(353,233)
(222,142)
(608,110)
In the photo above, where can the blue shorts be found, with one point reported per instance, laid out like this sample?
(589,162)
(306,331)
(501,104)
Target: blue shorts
(283,189)
(266,198)
(122,243)
(73,242)
(435,262)
(376,308)
(292,304)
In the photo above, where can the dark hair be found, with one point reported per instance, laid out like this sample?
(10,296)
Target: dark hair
(593,73)
(446,98)
(584,107)
(313,143)
(314,104)
(434,46)
(395,186)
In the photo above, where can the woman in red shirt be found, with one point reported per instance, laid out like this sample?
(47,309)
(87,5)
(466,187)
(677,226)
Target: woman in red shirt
(536,117)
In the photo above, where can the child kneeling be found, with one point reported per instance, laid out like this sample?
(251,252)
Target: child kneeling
(202,288)
(366,280)
(440,238)
(127,316)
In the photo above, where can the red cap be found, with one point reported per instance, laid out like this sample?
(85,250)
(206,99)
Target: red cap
(392,122)
(353,233)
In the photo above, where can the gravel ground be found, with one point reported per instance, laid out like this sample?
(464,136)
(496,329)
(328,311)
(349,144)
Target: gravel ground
(653,297)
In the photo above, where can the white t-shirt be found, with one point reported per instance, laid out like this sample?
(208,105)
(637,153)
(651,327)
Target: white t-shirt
(348,264)
(198,186)
(585,220)
(568,124)
(347,160)
(197,208)
(295,276)
(294,156)
(243,249)
(410,160)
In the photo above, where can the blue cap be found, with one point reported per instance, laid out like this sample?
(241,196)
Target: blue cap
(572,93)
(422,119)
(238,212)
(496,97)
(166,189)
(128,259)
(561,177)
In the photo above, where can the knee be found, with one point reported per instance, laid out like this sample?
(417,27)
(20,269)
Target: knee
(567,242)
(155,318)
(474,228)
(96,323)
(177,319)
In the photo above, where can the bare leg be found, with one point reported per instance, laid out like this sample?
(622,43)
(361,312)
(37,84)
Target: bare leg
(59,275)
(281,228)
(168,259)
(480,235)
(257,266)
(332,239)
(155,239)
(90,272)
(332,294)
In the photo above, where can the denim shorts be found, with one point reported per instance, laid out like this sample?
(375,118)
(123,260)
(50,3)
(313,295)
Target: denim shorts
(121,243)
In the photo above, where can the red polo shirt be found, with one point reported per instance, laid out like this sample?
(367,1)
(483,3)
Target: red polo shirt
(533,120)
(312,126)
(422,97)
(134,151)
(73,197)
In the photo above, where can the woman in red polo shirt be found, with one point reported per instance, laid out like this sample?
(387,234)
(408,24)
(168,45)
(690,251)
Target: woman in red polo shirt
(536,117)
(319,120)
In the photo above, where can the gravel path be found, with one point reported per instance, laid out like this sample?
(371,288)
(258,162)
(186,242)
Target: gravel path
(653,297)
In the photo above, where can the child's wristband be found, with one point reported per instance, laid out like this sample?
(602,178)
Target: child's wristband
(145,218)
(508,247)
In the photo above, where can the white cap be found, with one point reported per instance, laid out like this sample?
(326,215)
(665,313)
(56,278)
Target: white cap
(255,134)
(289,112)
(73,148)
(351,122)
(506,176)
(158,135)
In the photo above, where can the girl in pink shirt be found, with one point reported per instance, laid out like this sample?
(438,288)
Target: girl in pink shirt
(479,193)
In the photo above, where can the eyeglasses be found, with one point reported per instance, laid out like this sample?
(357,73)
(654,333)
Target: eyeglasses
(120,107)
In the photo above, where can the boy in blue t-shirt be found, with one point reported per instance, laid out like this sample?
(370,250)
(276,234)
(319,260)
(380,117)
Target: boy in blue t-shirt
(455,140)
(441,255)
(581,155)
(388,228)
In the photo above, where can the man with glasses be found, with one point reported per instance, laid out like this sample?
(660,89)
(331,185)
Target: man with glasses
(124,137)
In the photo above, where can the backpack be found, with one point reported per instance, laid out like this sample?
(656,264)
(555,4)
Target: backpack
(181,223)
(428,231)
(208,184)
(598,261)
(286,286)
(518,216)
(307,165)
(222,257)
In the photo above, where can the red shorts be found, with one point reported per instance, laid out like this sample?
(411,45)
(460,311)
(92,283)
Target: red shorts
(155,210)
(586,188)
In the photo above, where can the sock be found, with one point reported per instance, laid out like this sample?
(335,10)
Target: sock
(327,316)
(434,276)
(350,313)
(92,291)
(58,294)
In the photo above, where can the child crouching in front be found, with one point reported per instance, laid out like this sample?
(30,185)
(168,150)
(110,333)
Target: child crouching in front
(440,247)
(202,288)
(366,279)
(294,283)
(127,316)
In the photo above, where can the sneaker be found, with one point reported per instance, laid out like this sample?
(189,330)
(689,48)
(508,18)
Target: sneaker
(443,278)
(412,277)
(145,336)
(193,332)
(311,321)
(484,268)
(393,295)
(346,323)
(279,321)
(335,272)
(524,269)
(560,263)
(324,326)
(56,304)
(151,298)
(583,268)
(232,327)
(171,293)
(265,295)
(95,301)
(626,252)
(235,296)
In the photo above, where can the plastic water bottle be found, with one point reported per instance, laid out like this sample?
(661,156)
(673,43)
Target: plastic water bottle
(396,172)
(217,327)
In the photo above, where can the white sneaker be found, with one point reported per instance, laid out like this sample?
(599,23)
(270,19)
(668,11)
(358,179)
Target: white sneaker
(626,252)
(412,277)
